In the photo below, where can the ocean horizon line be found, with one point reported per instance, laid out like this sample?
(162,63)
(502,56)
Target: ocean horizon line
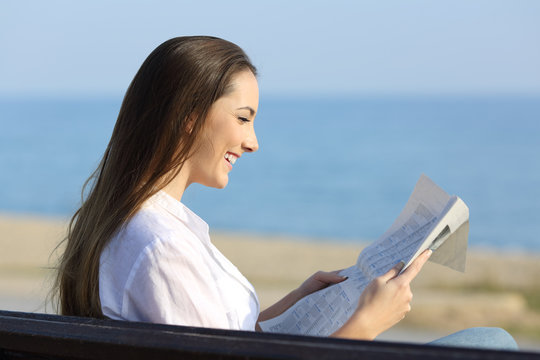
(274,96)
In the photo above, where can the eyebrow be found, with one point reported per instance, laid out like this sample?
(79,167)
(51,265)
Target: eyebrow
(251,111)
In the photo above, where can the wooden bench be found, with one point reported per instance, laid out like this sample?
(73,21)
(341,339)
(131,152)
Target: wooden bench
(43,336)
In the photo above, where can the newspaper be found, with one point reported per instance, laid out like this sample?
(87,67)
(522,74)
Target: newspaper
(430,219)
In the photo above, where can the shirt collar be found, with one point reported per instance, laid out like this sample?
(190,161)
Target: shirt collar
(182,212)
(201,230)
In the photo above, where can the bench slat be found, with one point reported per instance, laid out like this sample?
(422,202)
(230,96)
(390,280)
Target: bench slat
(28,335)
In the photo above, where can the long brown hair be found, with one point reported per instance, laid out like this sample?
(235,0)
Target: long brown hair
(175,86)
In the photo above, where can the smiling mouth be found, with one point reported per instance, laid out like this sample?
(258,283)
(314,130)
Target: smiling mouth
(231,158)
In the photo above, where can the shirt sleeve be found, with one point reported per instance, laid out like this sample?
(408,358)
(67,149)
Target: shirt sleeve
(172,283)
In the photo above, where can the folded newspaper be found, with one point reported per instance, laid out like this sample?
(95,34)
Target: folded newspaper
(430,219)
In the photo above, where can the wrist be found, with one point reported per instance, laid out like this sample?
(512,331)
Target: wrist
(298,294)
(356,328)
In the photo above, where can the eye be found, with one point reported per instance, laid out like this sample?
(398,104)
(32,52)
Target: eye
(243,119)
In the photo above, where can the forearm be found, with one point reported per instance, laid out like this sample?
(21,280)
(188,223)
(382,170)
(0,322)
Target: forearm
(278,308)
(316,282)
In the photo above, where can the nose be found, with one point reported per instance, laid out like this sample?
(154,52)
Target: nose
(250,143)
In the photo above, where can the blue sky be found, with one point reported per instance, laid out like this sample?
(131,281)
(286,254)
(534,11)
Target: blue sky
(95,47)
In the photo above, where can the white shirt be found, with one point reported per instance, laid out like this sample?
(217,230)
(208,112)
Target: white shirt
(161,267)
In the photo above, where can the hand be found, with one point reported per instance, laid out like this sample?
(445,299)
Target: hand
(315,282)
(318,281)
(384,302)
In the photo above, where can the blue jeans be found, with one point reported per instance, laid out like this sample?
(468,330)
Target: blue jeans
(480,337)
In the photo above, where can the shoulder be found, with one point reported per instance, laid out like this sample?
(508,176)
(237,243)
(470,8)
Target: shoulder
(165,218)
(145,252)
(152,231)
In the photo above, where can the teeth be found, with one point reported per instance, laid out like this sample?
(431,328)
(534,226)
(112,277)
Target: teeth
(231,158)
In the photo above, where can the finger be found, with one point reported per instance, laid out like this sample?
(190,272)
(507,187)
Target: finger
(393,272)
(410,273)
(330,277)
(339,274)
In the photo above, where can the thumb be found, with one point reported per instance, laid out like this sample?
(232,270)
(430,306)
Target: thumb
(393,272)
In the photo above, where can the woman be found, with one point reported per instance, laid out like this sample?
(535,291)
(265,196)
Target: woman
(135,252)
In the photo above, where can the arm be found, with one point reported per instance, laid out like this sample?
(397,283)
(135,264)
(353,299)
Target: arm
(384,302)
(315,282)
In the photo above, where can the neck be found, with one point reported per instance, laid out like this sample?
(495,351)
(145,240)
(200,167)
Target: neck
(179,184)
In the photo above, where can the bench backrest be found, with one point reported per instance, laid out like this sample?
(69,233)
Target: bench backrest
(43,336)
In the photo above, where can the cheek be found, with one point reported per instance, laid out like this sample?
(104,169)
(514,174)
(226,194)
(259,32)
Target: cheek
(225,135)
(239,136)
(230,136)
(241,133)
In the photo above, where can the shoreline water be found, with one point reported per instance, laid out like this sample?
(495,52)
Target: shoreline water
(347,177)
(499,288)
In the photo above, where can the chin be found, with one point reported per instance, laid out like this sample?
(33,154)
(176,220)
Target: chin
(215,182)
(220,184)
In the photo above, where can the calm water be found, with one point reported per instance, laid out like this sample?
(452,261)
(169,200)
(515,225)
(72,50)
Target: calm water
(326,168)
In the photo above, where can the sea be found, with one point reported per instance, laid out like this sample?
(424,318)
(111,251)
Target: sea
(328,168)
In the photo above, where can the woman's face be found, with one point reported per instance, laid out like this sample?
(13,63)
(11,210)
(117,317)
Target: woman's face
(228,133)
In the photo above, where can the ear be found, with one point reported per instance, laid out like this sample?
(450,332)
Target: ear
(190,124)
